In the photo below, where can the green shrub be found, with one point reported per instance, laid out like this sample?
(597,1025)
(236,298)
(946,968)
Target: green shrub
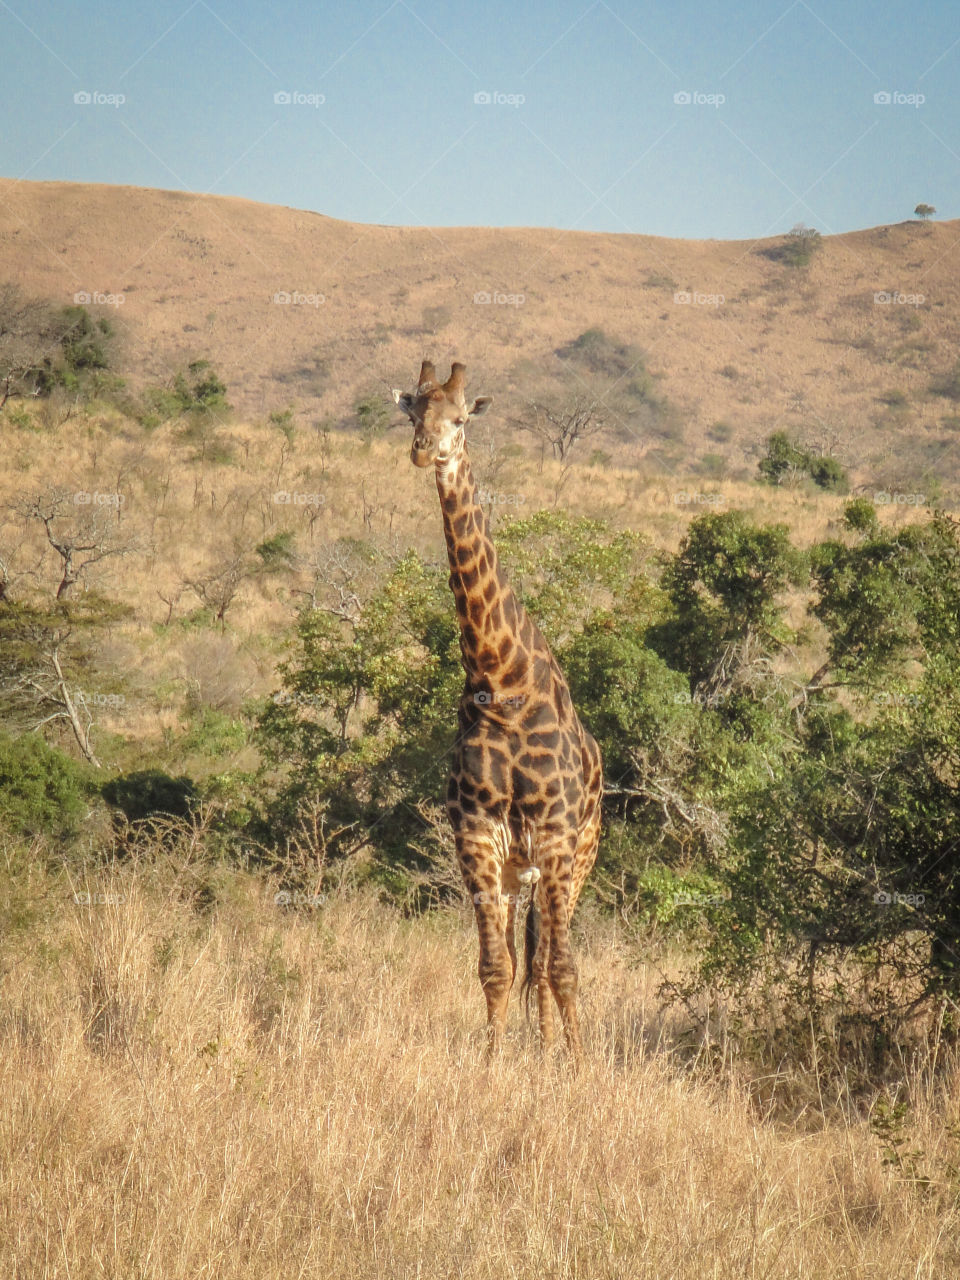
(373,415)
(42,790)
(201,394)
(785,459)
(278,552)
(797,247)
(283,418)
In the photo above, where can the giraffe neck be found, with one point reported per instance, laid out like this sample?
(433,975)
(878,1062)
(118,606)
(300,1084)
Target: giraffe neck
(497,638)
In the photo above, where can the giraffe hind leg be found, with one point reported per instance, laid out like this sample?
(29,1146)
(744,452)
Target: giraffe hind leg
(556,864)
(536,949)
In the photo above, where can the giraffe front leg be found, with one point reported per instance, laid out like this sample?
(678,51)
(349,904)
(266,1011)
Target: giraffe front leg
(497,965)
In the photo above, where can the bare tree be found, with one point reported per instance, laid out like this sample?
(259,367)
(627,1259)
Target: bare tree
(217,589)
(336,573)
(562,428)
(78,530)
(11,554)
(25,342)
(171,601)
(50,689)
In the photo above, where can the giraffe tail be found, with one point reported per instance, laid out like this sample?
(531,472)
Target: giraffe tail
(531,939)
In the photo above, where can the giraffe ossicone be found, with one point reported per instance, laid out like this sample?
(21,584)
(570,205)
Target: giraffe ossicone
(526,779)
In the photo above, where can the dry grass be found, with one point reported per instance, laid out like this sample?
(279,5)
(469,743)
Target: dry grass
(243,1092)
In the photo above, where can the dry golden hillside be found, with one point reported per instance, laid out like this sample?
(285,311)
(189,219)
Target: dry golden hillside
(759,345)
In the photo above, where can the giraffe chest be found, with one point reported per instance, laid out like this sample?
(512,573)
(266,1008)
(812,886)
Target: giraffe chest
(516,779)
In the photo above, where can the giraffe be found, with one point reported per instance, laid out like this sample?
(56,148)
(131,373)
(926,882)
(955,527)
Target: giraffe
(526,777)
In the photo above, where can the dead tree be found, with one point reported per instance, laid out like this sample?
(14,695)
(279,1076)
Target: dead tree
(25,342)
(11,568)
(50,689)
(217,589)
(336,573)
(561,429)
(78,530)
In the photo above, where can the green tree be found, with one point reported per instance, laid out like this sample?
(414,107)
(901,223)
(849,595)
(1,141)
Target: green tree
(844,874)
(726,585)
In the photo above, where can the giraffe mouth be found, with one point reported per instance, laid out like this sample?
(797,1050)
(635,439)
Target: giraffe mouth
(422,454)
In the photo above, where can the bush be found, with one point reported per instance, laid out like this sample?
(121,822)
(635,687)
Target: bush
(797,247)
(785,460)
(44,347)
(42,790)
(278,552)
(201,394)
(373,415)
(596,352)
(948,384)
(895,398)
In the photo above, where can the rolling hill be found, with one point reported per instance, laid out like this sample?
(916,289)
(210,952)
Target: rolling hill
(294,308)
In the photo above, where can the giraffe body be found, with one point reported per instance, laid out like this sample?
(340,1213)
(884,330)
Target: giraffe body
(526,778)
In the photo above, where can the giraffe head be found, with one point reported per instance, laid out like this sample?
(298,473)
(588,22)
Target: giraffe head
(439,414)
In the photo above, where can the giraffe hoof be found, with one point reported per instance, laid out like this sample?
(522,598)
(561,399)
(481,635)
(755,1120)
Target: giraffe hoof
(530,876)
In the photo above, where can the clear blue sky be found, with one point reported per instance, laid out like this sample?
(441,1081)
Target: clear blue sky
(598,141)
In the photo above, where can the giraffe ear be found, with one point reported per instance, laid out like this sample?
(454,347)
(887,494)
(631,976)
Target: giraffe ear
(480,405)
(404,399)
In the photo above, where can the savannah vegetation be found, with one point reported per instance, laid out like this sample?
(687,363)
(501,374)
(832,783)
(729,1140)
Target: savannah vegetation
(240,1017)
